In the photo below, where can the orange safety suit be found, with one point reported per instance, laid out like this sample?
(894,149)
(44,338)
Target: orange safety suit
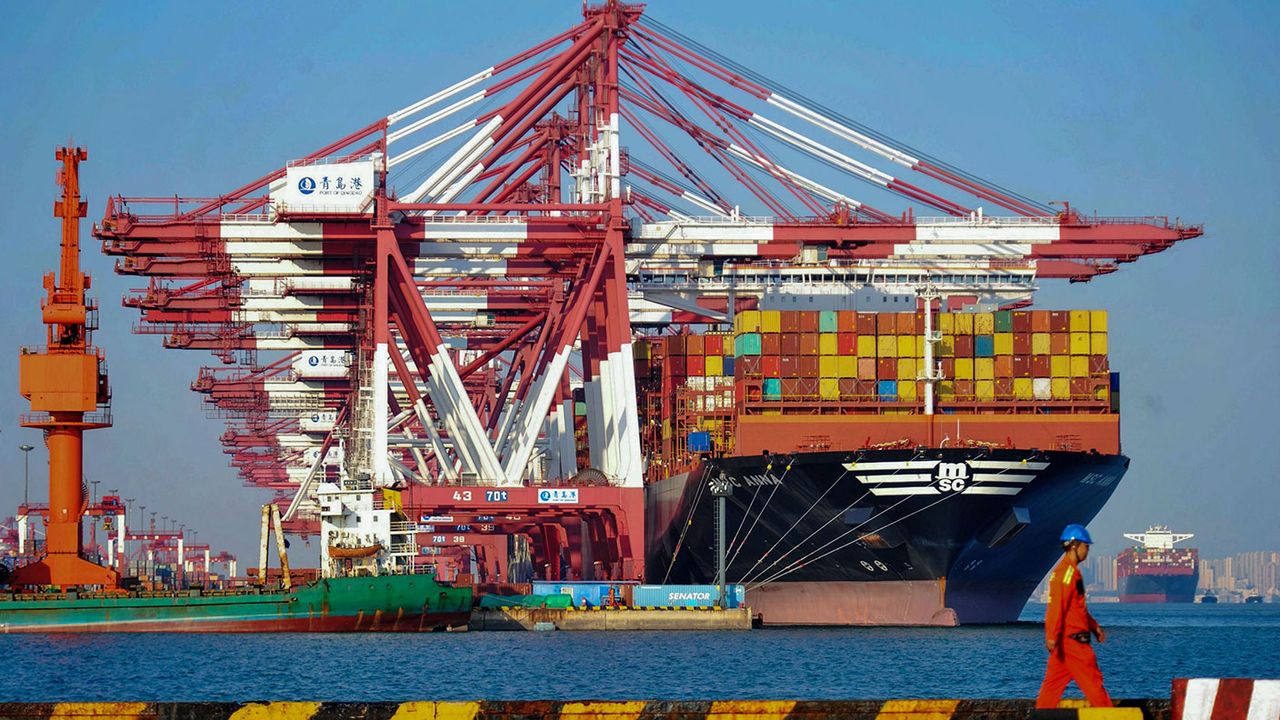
(1070,659)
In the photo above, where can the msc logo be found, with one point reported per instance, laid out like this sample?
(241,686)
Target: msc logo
(951,477)
(306,186)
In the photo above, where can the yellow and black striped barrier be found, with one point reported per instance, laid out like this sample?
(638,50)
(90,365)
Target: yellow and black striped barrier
(592,710)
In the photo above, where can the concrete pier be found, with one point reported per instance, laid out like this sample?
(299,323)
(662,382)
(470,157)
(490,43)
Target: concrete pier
(610,619)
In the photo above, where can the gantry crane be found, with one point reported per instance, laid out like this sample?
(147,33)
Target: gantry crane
(66,382)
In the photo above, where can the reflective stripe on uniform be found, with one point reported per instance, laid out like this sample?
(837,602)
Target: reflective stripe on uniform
(1066,576)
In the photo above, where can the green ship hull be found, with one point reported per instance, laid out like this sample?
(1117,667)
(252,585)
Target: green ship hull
(391,603)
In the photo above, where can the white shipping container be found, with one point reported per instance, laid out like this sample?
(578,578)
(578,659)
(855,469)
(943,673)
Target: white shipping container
(1042,388)
(318,420)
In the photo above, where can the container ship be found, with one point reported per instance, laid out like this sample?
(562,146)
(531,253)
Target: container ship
(887,467)
(1154,571)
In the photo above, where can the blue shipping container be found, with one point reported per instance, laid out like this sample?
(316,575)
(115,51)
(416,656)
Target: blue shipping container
(888,390)
(773,388)
(728,367)
(685,595)
(593,592)
(984,346)
(700,441)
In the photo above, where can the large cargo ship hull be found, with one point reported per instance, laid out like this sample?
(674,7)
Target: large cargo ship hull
(1159,589)
(938,536)
(396,603)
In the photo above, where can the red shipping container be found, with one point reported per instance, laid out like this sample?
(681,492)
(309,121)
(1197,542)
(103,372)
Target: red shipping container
(696,365)
(1040,321)
(790,320)
(809,366)
(964,346)
(1059,322)
(1080,387)
(846,321)
(867,389)
(846,344)
(1022,366)
(848,387)
(1098,364)
(906,323)
(676,344)
(694,345)
(1021,321)
(790,344)
(1004,387)
(790,365)
(809,344)
(809,321)
(676,366)
(747,366)
(886,324)
(948,368)
(1040,366)
(713,344)
(1022,343)
(1060,343)
(866,323)
(887,369)
(1004,366)
(771,366)
(866,368)
(770,344)
(964,389)
(799,388)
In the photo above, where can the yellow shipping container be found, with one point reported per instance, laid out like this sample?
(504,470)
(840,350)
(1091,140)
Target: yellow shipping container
(1098,343)
(1079,343)
(906,389)
(715,365)
(1004,343)
(887,346)
(829,388)
(985,390)
(829,366)
(867,346)
(827,344)
(947,346)
(770,321)
(847,366)
(984,323)
(947,389)
(1060,366)
(747,321)
(1079,366)
(1080,321)
(964,323)
(984,369)
(1102,393)
(1061,388)
(906,368)
(964,368)
(1040,343)
(907,346)
(946,323)
(1097,321)
(1023,389)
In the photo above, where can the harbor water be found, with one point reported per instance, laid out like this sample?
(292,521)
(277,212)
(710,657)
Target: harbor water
(1147,646)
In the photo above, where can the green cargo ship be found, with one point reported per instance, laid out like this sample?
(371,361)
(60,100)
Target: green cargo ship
(388,603)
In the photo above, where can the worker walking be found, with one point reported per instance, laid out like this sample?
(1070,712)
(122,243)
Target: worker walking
(1069,628)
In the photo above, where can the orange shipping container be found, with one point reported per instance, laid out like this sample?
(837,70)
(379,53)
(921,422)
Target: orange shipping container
(1022,344)
(886,369)
(809,321)
(1004,366)
(790,344)
(866,368)
(1060,343)
(790,321)
(809,344)
(713,344)
(1041,320)
(1021,323)
(886,324)
(906,323)
(846,321)
(770,344)
(867,323)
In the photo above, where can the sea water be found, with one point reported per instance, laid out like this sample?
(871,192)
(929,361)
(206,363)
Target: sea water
(1147,646)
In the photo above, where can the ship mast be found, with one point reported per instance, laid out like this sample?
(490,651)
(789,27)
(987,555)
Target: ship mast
(66,383)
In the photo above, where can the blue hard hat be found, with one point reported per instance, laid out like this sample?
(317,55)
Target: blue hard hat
(1075,531)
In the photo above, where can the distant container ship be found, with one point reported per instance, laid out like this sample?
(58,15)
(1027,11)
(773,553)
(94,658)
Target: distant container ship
(1157,572)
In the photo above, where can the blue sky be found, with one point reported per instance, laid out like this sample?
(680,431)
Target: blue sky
(1123,108)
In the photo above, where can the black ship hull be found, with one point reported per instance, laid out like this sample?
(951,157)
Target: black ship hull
(1159,588)
(935,537)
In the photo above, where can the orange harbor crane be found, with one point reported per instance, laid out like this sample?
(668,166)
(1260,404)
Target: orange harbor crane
(66,382)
